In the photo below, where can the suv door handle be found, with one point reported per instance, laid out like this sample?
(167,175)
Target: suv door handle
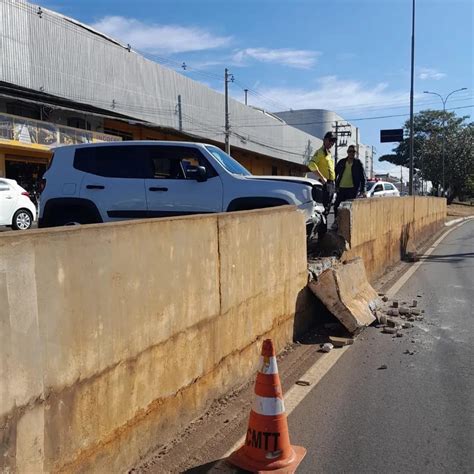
(158,189)
(95,186)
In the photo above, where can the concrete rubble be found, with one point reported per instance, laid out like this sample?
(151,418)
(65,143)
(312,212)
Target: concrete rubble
(344,290)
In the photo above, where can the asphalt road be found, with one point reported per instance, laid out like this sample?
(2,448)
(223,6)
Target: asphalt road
(417,415)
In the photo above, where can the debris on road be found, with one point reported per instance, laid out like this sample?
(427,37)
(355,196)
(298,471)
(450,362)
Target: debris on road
(303,383)
(414,303)
(341,341)
(390,330)
(383,367)
(404,310)
(327,347)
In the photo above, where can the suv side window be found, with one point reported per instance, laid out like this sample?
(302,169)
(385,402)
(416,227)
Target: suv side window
(113,161)
(378,188)
(4,186)
(171,162)
(388,187)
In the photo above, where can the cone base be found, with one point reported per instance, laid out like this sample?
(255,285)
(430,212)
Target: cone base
(240,459)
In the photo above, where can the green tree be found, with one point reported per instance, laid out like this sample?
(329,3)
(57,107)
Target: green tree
(430,126)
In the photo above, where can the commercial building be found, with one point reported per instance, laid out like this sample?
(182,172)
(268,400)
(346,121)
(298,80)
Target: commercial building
(317,122)
(63,82)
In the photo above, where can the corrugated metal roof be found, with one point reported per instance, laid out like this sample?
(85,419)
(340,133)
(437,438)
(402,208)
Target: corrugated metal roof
(63,57)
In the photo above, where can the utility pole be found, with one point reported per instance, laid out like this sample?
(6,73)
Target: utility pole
(180,114)
(340,131)
(246,92)
(412,138)
(372,162)
(227,78)
(357,141)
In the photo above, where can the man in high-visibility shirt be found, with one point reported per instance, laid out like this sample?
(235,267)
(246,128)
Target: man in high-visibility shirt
(322,165)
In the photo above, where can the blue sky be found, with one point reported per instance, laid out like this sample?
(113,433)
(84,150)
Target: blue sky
(347,56)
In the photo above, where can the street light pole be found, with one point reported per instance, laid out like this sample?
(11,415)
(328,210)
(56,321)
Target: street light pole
(412,136)
(444,100)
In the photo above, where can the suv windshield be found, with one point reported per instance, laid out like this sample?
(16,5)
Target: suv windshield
(227,161)
(370,185)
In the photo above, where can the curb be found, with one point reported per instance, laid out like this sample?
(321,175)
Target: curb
(456,221)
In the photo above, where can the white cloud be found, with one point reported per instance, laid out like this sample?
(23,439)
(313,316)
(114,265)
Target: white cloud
(336,94)
(297,58)
(428,73)
(159,39)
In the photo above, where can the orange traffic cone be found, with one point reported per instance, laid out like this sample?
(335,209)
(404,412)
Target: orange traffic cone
(267,444)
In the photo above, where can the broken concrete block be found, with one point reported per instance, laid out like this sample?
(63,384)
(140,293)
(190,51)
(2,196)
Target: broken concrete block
(414,303)
(404,310)
(391,322)
(415,312)
(341,341)
(385,299)
(407,325)
(393,312)
(347,294)
(395,304)
(383,319)
(390,330)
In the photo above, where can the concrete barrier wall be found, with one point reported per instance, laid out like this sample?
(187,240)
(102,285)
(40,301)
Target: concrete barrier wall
(115,336)
(380,229)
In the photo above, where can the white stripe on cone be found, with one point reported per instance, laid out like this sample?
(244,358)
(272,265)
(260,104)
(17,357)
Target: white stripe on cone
(268,406)
(268,365)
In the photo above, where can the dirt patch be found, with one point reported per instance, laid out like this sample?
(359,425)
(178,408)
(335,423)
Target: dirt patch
(455,211)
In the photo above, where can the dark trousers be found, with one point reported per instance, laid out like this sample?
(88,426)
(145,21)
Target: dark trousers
(344,194)
(328,194)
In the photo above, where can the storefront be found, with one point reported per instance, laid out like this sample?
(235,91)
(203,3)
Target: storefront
(25,147)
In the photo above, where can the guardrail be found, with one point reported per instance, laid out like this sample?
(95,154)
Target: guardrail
(37,132)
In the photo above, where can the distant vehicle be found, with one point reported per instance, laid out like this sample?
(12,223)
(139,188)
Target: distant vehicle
(136,179)
(381,189)
(16,208)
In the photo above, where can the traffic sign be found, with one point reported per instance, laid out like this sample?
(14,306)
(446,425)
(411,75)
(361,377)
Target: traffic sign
(393,135)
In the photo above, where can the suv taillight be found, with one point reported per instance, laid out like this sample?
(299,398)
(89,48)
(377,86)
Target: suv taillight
(25,193)
(42,185)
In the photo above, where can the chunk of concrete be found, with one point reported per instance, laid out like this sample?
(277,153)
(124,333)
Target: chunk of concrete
(347,294)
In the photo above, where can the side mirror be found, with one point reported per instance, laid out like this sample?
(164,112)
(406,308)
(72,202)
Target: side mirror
(199,173)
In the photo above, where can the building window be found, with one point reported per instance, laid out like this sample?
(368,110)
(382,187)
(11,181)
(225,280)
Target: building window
(274,170)
(78,122)
(24,110)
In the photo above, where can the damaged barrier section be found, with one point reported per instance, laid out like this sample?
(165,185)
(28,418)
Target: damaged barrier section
(373,234)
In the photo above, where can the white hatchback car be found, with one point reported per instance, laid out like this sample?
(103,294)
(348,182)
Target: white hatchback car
(381,189)
(16,208)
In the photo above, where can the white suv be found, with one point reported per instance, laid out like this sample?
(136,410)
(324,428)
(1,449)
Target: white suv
(16,208)
(135,179)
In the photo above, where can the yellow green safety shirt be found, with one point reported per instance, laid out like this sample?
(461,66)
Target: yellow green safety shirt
(322,161)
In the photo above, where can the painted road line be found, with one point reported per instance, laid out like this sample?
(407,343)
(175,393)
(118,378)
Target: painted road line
(455,221)
(297,393)
(406,276)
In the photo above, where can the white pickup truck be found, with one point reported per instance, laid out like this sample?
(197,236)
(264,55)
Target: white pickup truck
(135,179)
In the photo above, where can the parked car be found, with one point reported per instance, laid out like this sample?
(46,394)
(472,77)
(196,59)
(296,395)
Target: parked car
(114,181)
(381,189)
(16,208)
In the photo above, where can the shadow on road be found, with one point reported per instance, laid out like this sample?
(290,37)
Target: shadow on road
(451,258)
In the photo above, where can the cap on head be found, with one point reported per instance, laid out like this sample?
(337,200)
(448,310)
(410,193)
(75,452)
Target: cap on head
(330,136)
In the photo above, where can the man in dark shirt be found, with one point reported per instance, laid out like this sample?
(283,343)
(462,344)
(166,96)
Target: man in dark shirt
(350,178)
